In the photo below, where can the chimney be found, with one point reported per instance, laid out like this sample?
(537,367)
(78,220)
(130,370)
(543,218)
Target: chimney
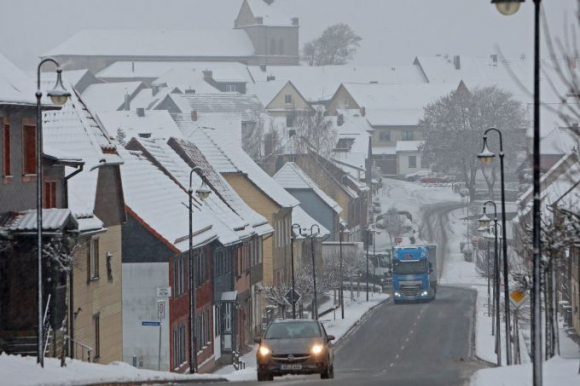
(207,75)
(154,90)
(295,21)
(140,111)
(132,66)
(270,78)
(363,111)
(269,2)
(127,104)
(457,62)
(263,67)
(194,115)
(190,91)
(340,120)
(494,59)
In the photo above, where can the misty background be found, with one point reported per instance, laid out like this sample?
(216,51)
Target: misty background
(393,31)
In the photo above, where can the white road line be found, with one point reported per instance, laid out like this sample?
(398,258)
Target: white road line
(410,332)
(397,356)
(406,340)
(402,347)
(391,365)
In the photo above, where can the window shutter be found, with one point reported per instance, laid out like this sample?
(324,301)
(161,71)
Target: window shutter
(29,149)
(6,167)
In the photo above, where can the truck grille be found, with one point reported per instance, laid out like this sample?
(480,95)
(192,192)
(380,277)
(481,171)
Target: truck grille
(410,288)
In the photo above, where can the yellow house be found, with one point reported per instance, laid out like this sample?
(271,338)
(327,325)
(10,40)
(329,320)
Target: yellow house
(94,195)
(281,99)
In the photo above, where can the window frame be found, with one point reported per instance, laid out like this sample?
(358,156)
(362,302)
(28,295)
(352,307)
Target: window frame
(6,149)
(412,165)
(93,259)
(26,129)
(97,332)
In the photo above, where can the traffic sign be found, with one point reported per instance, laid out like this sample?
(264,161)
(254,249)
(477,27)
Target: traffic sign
(398,240)
(150,323)
(161,309)
(517,298)
(288,296)
(164,292)
(474,240)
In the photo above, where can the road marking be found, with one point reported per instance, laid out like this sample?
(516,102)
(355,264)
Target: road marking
(397,356)
(402,347)
(391,365)
(406,340)
(411,332)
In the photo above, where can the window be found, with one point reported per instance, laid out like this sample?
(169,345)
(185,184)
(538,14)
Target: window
(93,259)
(175,348)
(290,118)
(231,88)
(412,162)
(49,197)
(272,47)
(97,326)
(6,167)
(408,135)
(29,149)
(281,47)
(288,99)
(385,136)
(181,358)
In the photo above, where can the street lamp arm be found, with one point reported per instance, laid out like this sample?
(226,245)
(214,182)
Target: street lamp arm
(194,169)
(500,138)
(45,60)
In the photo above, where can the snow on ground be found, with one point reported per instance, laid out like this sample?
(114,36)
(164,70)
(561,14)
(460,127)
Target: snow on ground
(12,368)
(557,372)
(354,310)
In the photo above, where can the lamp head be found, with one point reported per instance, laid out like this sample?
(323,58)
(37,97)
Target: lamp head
(484,221)
(203,191)
(507,7)
(58,95)
(486,156)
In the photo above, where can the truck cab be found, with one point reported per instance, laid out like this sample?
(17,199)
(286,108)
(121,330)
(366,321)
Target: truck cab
(412,275)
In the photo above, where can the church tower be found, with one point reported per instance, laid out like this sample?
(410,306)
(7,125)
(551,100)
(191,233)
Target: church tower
(275,37)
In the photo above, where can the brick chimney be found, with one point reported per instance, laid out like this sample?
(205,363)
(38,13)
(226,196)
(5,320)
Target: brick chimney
(340,120)
(194,115)
(207,75)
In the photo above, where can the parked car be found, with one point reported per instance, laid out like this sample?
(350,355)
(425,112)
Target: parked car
(299,346)
(417,175)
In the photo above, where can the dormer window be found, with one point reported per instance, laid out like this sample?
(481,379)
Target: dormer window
(288,99)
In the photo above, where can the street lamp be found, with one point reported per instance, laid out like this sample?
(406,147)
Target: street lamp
(342,227)
(507,7)
(486,157)
(312,236)
(202,192)
(370,230)
(292,237)
(58,95)
(484,230)
(484,221)
(536,240)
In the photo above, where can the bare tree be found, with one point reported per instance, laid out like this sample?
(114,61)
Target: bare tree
(336,45)
(392,223)
(455,125)
(314,132)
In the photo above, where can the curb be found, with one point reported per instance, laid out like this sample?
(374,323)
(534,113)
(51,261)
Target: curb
(158,382)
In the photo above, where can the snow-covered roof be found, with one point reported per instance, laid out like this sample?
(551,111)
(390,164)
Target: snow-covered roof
(72,77)
(408,146)
(319,83)
(398,96)
(384,150)
(246,105)
(266,91)
(269,14)
(559,141)
(221,186)
(222,72)
(299,216)
(15,86)
(226,155)
(109,96)
(290,176)
(229,226)
(73,130)
(185,79)
(52,220)
(229,124)
(154,124)
(352,147)
(153,43)
(148,99)
(144,184)
(402,117)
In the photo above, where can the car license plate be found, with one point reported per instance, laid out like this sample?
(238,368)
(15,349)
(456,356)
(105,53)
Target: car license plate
(291,367)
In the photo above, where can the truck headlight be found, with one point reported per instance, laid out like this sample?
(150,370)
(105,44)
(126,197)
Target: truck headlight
(397,295)
(424,293)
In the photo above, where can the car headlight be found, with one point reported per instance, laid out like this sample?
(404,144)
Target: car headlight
(264,351)
(317,349)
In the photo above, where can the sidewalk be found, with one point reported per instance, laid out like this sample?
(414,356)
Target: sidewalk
(354,313)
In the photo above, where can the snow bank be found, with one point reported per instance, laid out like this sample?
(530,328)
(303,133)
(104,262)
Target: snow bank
(16,370)
(557,372)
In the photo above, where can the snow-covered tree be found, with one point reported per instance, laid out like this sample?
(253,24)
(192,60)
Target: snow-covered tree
(392,223)
(313,132)
(454,130)
(336,45)
(121,137)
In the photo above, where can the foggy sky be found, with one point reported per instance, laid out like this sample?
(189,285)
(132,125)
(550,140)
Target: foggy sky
(393,31)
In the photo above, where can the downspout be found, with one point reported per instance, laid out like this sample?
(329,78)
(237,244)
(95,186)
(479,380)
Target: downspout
(71,318)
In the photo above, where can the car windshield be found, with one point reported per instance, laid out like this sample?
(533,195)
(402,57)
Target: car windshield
(293,330)
(410,267)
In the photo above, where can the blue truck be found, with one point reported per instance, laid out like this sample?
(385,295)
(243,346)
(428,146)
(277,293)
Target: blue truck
(414,273)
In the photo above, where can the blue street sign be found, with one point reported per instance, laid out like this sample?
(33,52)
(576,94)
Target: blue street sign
(150,323)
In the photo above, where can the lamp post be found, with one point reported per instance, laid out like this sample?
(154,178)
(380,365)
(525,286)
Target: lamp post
(483,231)
(486,157)
(58,95)
(342,226)
(202,192)
(370,230)
(485,221)
(510,7)
(292,267)
(315,301)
